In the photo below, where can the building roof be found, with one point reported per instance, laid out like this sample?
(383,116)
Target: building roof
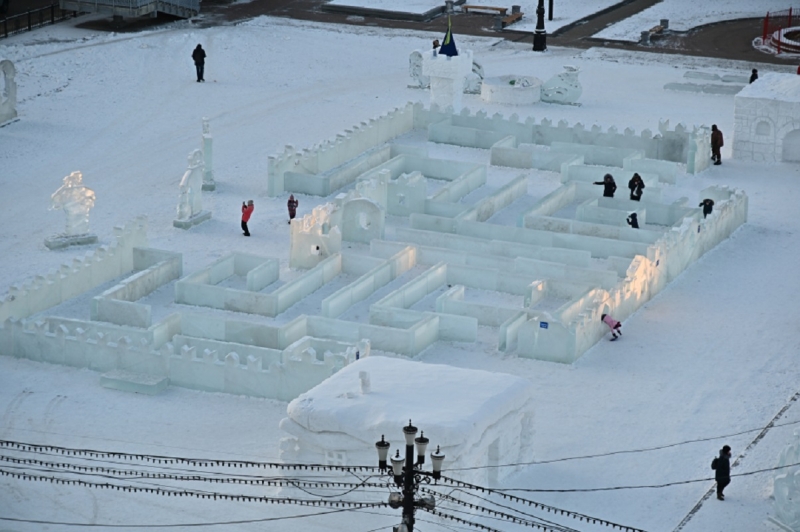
(774,86)
(431,395)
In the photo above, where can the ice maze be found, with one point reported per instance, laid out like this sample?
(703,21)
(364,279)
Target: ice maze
(431,227)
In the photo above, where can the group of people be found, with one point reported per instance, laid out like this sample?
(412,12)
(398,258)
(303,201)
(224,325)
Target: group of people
(636,186)
(249,206)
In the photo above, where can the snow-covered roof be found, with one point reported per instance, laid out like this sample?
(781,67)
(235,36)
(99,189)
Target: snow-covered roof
(774,86)
(444,401)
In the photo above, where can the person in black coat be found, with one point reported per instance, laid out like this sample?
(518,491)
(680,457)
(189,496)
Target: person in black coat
(707,205)
(633,221)
(637,186)
(754,75)
(722,467)
(609,186)
(199,56)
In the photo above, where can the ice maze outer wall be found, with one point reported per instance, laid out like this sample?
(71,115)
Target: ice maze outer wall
(448,239)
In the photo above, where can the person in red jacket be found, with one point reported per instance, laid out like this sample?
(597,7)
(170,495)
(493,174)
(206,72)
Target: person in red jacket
(292,206)
(614,325)
(247,211)
(716,144)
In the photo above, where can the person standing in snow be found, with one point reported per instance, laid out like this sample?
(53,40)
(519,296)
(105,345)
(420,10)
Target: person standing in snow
(609,186)
(614,325)
(633,221)
(716,144)
(637,186)
(754,75)
(722,470)
(292,206)
(707,205)
(247,211)
(199,56)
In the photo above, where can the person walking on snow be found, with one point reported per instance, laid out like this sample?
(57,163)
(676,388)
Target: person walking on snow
(637,186)
(247,211)
(292,206)
(199,56)
(722,470)
(609,186)
(614,325)
(707,205)
(716,144)
(754,75)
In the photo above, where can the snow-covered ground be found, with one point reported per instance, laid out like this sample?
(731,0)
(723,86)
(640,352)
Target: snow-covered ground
(715,354)
(684,15)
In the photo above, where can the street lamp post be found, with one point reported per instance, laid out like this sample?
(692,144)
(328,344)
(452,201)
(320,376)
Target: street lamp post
(539,35)
(408,474)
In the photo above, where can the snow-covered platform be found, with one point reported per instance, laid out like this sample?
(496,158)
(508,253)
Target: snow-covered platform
(339,420)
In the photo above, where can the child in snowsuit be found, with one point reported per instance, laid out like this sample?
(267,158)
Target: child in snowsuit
(633,221)
(292,206)
(609,186)
(247,211)
(614,325)
(716,144)
(637,186)
(707,205)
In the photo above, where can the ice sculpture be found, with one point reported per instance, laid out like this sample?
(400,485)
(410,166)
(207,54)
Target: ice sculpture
(448,76)
(190,201)
(563,88)
(76,200)
(208,172)
(314,238)
(472,83)
(787,487)
(8,92)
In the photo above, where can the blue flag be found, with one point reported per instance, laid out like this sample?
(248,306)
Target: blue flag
(448,45)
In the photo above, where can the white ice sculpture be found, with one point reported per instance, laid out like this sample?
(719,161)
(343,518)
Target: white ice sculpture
(448,75)
(472,83)
(208,172)
(8,92)
(190,200)
(563,88)
(76,200)
(314,238)
(787,487)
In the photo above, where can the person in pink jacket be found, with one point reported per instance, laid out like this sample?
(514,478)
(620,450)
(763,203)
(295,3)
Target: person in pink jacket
(614,325)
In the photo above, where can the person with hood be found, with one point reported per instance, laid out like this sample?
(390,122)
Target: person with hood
(247,211)
(754,75)
(637,186)
(633,221)
(292,206)
(614,325)
(609,186)
(199,56)
(707,205)
(716,144)
(722,470)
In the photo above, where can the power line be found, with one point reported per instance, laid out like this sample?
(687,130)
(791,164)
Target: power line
(625,451)
(174,525)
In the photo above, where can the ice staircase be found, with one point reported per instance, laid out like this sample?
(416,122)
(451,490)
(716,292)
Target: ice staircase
(134,8)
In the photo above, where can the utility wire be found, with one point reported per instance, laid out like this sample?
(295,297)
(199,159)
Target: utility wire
(175,525)
(625,451)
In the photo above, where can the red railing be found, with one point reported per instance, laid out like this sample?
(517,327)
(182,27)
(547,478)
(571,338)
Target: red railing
(778,20)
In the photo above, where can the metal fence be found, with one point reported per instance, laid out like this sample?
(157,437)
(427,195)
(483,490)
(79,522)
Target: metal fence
(779,20)
(34,19)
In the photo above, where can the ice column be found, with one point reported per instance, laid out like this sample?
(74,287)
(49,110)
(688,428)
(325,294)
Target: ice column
(447,75)
(8,92)
(208,172)
(787,487)
(190,200)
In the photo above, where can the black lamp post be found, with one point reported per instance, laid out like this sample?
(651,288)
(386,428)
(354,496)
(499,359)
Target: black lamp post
(409,475)
(539,35)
